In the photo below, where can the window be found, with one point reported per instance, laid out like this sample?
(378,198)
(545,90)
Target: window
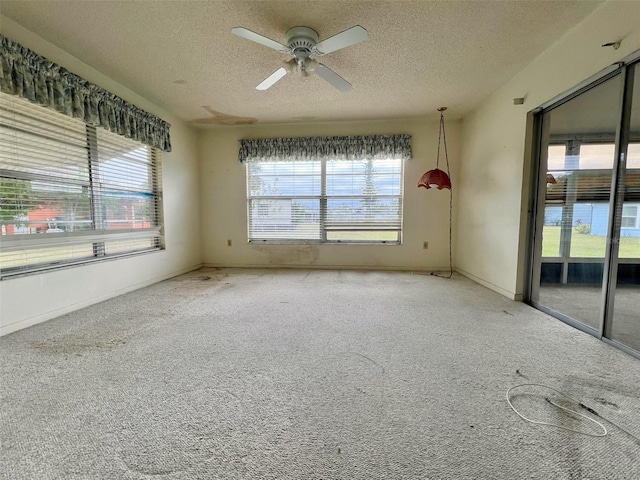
(340,201)
(630,217)
(72,193)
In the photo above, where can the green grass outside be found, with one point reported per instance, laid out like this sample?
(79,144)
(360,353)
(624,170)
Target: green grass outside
(585,245)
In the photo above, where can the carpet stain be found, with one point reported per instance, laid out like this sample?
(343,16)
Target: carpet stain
(607,403)
(605,385)
(72,344)
(106,334)
(198,285)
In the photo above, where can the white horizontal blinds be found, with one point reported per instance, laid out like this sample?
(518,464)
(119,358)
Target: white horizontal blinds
(325,200)
(70,193)
(14,261)
(284,200)
(124,181)
(133,244)
(43,169)
(44,181)
(581,172)
(364,200)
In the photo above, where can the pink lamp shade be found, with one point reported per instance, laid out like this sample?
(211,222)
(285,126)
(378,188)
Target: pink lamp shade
(435,178)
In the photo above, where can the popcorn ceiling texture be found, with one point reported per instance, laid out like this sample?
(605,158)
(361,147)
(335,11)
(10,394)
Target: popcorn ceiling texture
(297,374)
(420,55)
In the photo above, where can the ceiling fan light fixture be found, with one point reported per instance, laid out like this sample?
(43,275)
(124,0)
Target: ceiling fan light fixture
(310,65)
(290,65)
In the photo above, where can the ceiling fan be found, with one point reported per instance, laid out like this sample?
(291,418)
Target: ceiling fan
(304,46)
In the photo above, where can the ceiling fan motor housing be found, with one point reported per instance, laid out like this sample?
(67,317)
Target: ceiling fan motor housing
(302,42)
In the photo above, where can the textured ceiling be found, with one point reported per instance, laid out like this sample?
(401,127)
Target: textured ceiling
(420,54)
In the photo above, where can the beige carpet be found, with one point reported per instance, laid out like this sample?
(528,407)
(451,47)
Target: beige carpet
(292,374)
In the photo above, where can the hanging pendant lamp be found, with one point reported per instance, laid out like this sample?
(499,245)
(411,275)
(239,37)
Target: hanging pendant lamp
(439,179)
(436,178)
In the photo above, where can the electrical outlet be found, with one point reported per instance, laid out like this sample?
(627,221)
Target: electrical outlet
(228,243)
(425,245)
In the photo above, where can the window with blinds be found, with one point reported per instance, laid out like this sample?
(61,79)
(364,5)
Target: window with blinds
(579,179)
(341,201)
(72,193)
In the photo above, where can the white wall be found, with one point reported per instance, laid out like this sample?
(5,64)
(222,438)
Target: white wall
(33,299)
(224,201)
(493,188)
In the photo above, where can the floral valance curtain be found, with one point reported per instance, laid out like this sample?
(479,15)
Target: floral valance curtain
(329,148)
(31,76)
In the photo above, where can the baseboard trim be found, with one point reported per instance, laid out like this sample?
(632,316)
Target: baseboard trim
(518,297)
(391,268)
(29,322)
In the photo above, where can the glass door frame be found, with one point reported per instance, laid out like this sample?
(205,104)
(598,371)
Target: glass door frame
(539,151)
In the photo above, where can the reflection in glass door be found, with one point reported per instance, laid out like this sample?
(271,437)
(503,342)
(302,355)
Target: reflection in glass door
(625,323)
(586,247)
(579,151)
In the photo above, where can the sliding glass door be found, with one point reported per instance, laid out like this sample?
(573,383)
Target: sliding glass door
(585,268)
(624,326)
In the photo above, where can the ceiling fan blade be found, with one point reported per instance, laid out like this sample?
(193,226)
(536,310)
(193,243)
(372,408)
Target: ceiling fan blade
(271,79)
(261,39)
(333,78)
(344,39)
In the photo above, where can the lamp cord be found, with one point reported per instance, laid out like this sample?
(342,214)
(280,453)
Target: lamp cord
(442,133)
(568,410)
